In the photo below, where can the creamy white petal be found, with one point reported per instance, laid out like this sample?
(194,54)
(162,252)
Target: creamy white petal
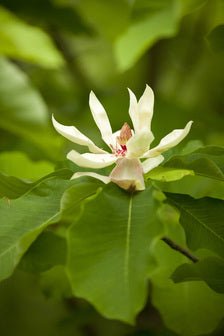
(90,160)
(100,117)
(138,144)
(104,179)
(128,174)
(170,140)
(133,110)
(73,134)
(151,163)
(145,110)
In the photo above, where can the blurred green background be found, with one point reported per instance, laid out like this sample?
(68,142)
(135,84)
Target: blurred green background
(53,52)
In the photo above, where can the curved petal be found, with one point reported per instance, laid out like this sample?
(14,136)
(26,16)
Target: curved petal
(91,160)
(100,117)
(128,174)
(145,109)
(104,179)
(133,110)
(138,144)
(151,163)
(73,134)
(170,140)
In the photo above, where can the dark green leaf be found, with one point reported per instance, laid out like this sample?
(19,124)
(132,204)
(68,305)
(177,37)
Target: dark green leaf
(47,251)
(216,38)
(202,221)
(206,161)
(23,219)
(110,251)
(210,269)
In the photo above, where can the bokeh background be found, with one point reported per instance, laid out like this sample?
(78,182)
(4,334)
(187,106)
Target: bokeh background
(52,53)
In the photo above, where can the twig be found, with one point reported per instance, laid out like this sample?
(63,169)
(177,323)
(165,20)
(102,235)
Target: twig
(180,249)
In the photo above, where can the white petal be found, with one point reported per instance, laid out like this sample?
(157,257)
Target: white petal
(138,144)
(91,160)
(151,163)
(104,179)
(145,109)
(128,174)
(73,134)
(100,117)
(133,110)
(170,140)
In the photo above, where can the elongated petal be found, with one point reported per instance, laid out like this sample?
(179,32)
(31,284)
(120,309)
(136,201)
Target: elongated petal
(138,144)
(104,179)
(100,117)
(170,140)
(145,109)
(73,134)
(128,174)
(151,163)
(133,110)
(91,160)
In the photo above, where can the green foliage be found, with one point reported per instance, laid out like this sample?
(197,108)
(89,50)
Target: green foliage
(109,259)
(80,239)
(15,33)
(202,221)
(210,269)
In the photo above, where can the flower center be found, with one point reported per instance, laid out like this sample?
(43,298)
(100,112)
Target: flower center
(125,135)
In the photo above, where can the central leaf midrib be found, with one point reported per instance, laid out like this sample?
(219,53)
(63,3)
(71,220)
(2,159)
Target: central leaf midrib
(127,246)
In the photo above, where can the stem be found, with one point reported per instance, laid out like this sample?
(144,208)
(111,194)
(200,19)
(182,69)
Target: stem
(180,249)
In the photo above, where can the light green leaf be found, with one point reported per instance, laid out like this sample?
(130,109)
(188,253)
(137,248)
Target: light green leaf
(23,219)
(202,221)
(109,251)
(183,306)
(141,35)
(164,174)
(210,269)
(26,114)
(23,41)
(19,165)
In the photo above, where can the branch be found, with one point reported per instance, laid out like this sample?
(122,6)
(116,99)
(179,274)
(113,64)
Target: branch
(180,249)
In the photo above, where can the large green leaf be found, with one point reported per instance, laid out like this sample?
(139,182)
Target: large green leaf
(202,221)
(210,269)
(26,42)
(109,251)
(23,219)
(184,306)
(26,114)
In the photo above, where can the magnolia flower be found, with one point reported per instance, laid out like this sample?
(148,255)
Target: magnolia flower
(129,148)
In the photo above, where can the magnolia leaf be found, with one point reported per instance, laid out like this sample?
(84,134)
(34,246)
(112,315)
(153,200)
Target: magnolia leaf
(12,187)
(23,219)
(210,269)
(202,221)
(164,174)
(182,306)
(19,165)
(216,39)
(26,42)
(109,251)
(206,161)
(47,251)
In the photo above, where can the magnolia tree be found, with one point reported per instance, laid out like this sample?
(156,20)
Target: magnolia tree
(113,232)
